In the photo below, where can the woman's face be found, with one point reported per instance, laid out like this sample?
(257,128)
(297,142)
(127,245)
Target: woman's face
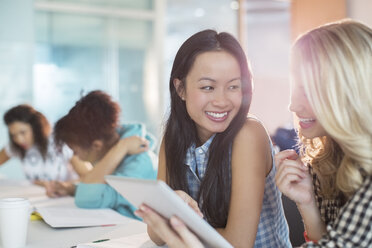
(304,116)
(213,93)
(21,134)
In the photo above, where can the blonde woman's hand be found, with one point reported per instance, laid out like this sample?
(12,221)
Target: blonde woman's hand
(293,178)
(134,144)
(190,201)
(174,233)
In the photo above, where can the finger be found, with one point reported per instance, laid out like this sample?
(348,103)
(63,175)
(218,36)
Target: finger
(283,155)
(291,167)
(288,179)
(194,205)
(160,226)
(144,143)
(187,236)
(293,163)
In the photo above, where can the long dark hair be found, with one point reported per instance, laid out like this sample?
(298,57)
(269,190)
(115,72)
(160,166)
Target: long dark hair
(40,127)
(94,116)
(180,131)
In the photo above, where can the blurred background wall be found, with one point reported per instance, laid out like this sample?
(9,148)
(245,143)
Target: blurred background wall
(53,51)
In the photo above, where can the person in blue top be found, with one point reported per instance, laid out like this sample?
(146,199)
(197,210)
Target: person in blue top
(91,129)
(213,152)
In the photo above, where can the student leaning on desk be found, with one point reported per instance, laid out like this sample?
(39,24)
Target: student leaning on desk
(31,141)
(92,130)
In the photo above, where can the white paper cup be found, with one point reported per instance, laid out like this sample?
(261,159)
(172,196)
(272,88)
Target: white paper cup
(14,217)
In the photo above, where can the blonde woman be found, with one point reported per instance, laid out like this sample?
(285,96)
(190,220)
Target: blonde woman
(331,99)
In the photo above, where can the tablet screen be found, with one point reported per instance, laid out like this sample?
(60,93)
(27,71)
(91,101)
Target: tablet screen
(159,196)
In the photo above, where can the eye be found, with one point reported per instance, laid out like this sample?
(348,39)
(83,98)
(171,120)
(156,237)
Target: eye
(207,88)
(234,87)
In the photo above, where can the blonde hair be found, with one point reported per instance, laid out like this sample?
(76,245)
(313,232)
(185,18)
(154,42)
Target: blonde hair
(334,63)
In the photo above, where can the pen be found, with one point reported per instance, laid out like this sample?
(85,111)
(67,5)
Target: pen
(100,240)
(96,241)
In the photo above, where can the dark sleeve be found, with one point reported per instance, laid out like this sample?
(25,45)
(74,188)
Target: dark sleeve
(353,226)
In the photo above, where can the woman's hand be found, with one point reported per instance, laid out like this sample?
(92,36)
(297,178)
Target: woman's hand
(57,189)
(134,144)
(175,234)
(190,201)
(293,178)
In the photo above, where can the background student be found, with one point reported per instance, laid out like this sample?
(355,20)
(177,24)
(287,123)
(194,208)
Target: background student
(92,130)
(331,98)
(31,141)
(213,152)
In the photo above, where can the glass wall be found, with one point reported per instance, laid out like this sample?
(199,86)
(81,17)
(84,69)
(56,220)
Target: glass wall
(82,47)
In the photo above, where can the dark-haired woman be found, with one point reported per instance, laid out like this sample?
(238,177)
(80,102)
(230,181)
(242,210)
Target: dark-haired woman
(213,151)
(31,142)
(92,130)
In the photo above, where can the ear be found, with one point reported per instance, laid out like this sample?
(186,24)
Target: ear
(180,89)
(97,145)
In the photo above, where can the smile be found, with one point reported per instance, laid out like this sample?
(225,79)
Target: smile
(307,120)
(217,115)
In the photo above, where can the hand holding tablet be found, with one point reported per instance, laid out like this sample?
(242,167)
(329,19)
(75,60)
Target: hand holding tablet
(161,198)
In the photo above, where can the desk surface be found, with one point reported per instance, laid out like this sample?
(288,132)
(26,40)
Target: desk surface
(41,235)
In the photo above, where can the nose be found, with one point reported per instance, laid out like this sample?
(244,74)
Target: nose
(220,98)
(18,139)
(295,104)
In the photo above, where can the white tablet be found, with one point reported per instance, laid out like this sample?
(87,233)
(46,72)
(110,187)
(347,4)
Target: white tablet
(159,196)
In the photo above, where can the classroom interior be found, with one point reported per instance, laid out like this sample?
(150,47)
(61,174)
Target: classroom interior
(54,51)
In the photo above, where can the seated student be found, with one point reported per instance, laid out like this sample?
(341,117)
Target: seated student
(215,153)
(331,95)
(31,141)
(92,130)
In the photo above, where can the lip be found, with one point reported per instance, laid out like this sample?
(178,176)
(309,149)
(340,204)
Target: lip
(24,147)
(306,123)
(223,117)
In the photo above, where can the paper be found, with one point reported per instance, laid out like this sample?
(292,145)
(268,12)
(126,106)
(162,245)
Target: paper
(77,217)
(135,241)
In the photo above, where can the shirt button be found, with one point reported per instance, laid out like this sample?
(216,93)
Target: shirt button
(200,151)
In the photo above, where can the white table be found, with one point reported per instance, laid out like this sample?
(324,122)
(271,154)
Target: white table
(41,235)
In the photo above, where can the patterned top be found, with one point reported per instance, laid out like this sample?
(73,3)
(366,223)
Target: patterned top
(56,165)
(272,229)
(328,208)
(349,225)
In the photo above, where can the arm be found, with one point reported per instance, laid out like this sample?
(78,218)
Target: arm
(3,156)
(294,180)
(251,162)
(81,167)
(108,164)
(99,195)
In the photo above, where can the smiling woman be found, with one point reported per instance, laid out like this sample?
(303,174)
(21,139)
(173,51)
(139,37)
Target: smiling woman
(213,151)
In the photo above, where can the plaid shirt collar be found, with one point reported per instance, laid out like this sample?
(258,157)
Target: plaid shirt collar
(197,158)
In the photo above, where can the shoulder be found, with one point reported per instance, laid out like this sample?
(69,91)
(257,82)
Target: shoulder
(252,146)
(252,132)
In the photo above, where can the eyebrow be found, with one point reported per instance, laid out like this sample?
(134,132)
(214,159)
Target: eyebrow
(212,80)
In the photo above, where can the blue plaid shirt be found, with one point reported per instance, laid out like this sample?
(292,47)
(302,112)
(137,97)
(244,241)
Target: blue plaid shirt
(272,228)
